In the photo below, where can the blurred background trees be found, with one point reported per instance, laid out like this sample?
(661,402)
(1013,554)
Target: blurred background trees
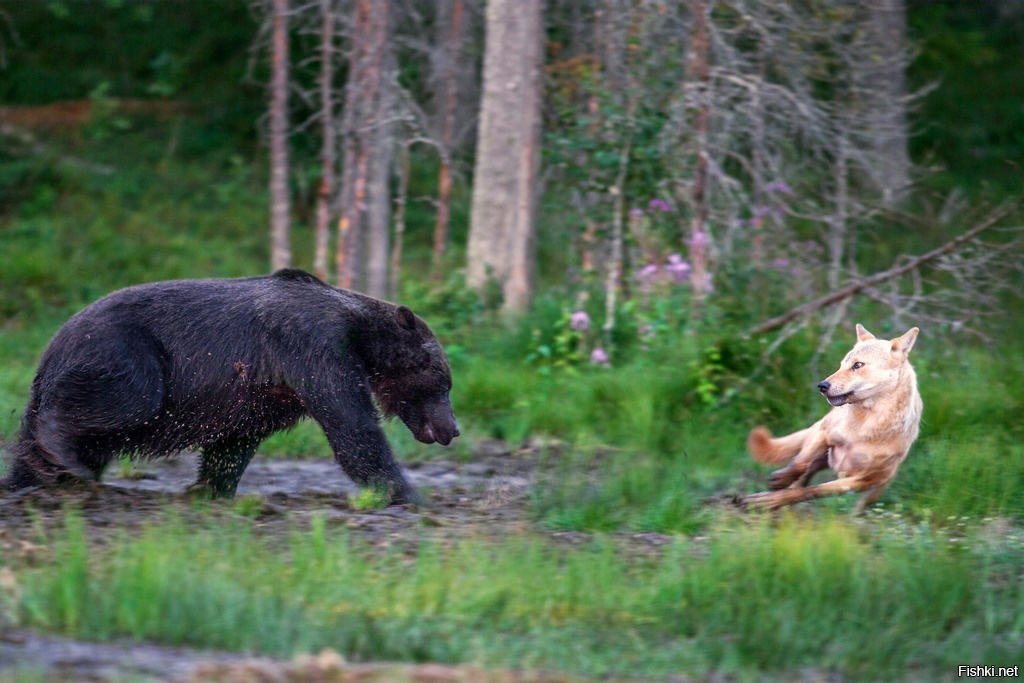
(655,164)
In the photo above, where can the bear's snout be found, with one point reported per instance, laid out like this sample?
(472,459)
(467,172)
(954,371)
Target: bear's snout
(442,431)
(432,424)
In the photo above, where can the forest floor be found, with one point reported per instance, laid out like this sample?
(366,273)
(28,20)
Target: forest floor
(487,498)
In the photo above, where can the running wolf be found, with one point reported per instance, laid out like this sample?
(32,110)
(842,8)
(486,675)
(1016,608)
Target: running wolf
(863,439)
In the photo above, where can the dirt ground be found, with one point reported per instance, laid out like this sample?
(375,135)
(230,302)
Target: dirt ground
(487,497)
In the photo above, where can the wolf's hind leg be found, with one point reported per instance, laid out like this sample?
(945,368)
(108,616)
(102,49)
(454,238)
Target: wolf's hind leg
(869,497)
(798,473)
(772,500)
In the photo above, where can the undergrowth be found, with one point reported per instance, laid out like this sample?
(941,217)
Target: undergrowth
(758,597)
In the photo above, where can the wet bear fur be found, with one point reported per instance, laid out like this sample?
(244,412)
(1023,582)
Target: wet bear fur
(220,365)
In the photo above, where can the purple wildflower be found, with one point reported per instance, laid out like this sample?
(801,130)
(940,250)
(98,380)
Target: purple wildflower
(659,205)
(647,274)
(599,357)
(636,213)
(780,264)
(699,240)
(677,268)
(579,321)
(778,186)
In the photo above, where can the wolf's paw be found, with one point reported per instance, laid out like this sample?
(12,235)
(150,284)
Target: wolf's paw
(758,501)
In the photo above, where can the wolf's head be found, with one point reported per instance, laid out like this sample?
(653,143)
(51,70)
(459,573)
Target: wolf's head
(872,368)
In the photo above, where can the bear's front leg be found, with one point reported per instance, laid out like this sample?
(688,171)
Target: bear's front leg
(350,422)
(365,456)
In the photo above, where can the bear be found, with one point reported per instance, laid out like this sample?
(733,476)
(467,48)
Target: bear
(220,365)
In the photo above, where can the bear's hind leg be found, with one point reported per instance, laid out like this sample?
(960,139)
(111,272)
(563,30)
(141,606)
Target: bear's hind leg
(221,466)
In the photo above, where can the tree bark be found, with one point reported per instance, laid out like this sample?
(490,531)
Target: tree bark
(886,82)
(700,77)
(501,238)
(450,79)
(401,200)
(363,115)
(378,195)
(280,203)
(328,152)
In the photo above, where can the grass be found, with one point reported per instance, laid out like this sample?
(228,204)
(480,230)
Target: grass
(759,596)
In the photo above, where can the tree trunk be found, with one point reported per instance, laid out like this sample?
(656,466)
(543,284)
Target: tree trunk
(378,191)
(886,83)
(401,200)
(450,79)
(280,208)
(328,153)
(699,76)
(501,237)
(363,115)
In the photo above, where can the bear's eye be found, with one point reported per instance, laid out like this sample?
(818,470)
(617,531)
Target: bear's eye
(858,365)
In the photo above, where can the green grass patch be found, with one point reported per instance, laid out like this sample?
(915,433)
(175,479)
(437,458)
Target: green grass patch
(760,596)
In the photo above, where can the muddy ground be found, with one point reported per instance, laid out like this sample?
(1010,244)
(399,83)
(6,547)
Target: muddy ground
(488,497)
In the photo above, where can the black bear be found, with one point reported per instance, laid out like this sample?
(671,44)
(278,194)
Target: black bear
(222,364)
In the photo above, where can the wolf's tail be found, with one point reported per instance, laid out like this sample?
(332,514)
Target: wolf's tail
(774,451)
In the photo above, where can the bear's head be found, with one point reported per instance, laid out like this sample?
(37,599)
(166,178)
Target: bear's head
(413,380)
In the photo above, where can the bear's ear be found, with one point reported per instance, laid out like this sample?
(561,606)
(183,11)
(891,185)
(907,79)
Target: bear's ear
(405,317)
(863,334)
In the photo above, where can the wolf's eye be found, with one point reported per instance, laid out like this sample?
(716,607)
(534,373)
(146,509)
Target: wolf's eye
(858,365)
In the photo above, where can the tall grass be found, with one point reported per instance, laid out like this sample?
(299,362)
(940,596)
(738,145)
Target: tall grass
(757,598)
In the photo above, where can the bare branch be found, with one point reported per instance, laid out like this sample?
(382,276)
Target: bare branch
(884,276)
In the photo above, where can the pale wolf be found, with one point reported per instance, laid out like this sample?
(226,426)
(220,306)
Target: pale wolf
(863,439)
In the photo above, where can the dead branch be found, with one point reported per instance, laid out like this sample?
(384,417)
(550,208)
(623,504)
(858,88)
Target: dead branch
(884,276)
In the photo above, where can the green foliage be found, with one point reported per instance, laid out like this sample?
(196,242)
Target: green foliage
(971,50)
(370,499)
(560,348)
(247,506)
(819,594)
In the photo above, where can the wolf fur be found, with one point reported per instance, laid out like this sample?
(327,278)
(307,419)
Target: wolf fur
(864,439)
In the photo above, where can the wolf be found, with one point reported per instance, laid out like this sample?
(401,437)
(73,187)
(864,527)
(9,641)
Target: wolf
(875,418)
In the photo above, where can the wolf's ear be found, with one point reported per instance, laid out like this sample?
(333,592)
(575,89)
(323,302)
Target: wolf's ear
(862,334)
(906,342)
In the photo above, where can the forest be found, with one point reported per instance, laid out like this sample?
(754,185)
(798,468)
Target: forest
(639,229)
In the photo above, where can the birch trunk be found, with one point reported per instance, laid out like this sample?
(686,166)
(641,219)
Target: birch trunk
(501,238)
(328,152)
(280,202)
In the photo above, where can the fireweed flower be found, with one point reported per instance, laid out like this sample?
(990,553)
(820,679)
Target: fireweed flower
(659,205)
(579,321)
(677,268)
(648,274)
(699,240)
(599,357)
